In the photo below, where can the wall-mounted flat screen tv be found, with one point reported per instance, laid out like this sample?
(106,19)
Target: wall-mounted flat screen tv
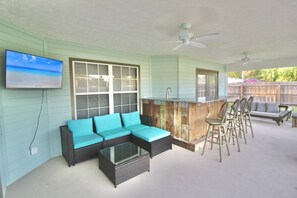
(30,71)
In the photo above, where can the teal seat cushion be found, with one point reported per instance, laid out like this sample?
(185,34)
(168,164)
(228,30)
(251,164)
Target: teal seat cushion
(86,140)
(130,119)
(114,133)
(151,134)
(81,127)
(107,122)
(136,127)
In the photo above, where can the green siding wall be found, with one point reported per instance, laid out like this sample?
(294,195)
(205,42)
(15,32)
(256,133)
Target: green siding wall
(179,73)
(20,107)
(164,71)
(19,113)
(187,76)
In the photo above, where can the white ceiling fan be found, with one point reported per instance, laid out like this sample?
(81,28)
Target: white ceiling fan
(245,60)
(188,38)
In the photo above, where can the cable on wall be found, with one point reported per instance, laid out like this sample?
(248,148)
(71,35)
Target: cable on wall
(37,123)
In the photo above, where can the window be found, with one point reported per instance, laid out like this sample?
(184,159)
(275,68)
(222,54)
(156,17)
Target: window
(206,84)
(101,88)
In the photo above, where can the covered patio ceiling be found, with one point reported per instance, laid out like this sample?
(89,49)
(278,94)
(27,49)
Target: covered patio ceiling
(265,29)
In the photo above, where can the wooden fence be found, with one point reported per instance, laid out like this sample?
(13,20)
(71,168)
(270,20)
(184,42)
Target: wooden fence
(279,92)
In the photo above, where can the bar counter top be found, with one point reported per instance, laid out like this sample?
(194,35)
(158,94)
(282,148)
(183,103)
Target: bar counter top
(191,100)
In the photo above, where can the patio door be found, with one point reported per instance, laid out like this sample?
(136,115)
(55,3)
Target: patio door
(206,85)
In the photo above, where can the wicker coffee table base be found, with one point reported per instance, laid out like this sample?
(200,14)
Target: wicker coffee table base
(119,173)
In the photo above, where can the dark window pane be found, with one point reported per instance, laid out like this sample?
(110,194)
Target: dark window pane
(104,101)
(125,99)
(103,69)
(93,101)
(104,84)
(81,102)
(81,85)
(116,72)
(80,69)
(82,114)
(93,85)
(133,73)
(133,98)
(104,111)
(125,85)
(117,110)
(125,109)
(117,84)
(117,99)
(93,112)
(133,108)
(92,69)
(125,72)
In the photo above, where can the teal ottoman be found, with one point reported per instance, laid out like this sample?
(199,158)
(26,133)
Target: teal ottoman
(152,139)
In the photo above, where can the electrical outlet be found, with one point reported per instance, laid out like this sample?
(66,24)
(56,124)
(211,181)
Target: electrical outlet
(33,151)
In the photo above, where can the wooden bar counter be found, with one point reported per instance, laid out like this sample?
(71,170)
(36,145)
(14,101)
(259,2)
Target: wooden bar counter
(184,118)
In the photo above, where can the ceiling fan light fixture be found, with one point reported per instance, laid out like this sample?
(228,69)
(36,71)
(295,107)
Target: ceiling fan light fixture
(188,38)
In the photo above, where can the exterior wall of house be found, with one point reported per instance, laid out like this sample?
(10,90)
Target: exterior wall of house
(187,76)
(19,108)
(19,111)
(164,71)
(179,73)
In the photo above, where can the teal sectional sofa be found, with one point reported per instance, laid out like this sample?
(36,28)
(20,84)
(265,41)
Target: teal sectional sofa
(110,128)
(80,142)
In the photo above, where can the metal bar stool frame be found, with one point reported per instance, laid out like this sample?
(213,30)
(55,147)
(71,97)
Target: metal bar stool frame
(231,123)
(247,116)
(217,126)
(240,122)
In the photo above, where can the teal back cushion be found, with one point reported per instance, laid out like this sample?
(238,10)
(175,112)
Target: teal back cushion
(130,119)
(107,122)
(81,127)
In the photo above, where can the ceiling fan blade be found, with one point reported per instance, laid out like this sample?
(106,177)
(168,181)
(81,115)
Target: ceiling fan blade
(256,60)
(177,47)
(171,42)
(245,62)
(198,44)
(205,37)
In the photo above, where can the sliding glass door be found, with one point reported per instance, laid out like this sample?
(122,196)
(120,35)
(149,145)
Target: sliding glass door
(206,85)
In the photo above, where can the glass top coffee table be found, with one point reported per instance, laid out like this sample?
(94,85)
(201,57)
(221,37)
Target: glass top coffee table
(123,161)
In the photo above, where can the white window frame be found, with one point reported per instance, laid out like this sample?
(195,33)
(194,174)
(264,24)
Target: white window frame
(111,91)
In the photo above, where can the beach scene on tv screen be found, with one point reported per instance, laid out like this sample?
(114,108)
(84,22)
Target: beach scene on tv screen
(29,71)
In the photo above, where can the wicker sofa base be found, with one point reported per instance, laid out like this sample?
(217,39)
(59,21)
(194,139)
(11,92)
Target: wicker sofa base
(87,152)
(154,148)
(73,156)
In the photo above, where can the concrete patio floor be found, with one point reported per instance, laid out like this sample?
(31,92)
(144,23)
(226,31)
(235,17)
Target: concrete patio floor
(265,167)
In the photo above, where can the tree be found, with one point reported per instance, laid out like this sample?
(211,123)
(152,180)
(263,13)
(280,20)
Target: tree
(269,75)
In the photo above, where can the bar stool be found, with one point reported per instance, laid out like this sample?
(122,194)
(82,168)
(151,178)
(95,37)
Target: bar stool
(247,115)
(231,123)
(217,130)
(240,122)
